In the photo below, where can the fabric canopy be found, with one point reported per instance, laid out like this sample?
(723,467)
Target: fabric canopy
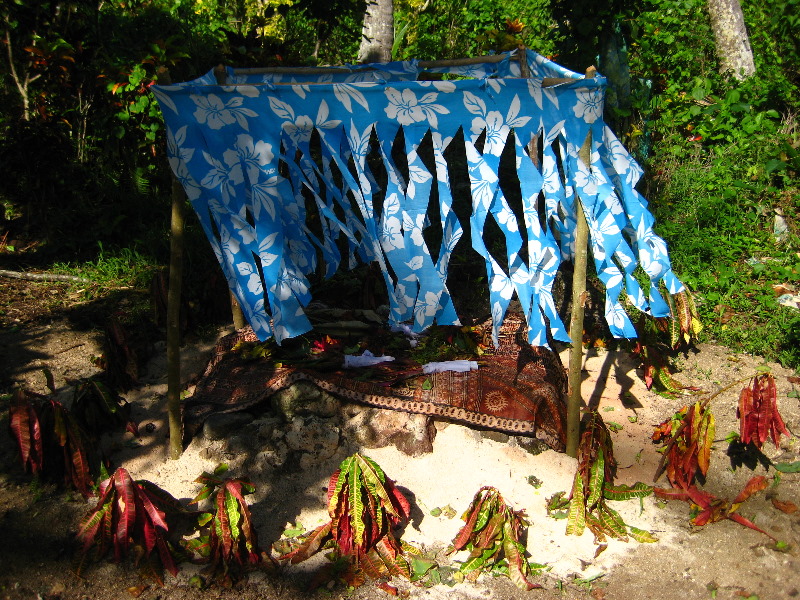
(283,170)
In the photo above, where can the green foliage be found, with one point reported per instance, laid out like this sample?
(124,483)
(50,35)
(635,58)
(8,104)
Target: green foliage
(721,158)
(439,29)
(491,534)
(112,268)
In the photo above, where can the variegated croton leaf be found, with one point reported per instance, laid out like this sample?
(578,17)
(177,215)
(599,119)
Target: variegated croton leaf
(685,323)
(365,507)
(491,535)
(681,327)
(710,509)
(51,442)
(100,408)
(758,414)
(688,435)
(594,485)
(229,540)
(131,518)
(26,430)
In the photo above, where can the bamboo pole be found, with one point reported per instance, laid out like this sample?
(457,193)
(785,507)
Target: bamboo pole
(174,321)
(575,400)
(424,64)
(174,312)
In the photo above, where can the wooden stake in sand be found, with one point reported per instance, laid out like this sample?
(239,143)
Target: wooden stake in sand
(174,313)
(575,401)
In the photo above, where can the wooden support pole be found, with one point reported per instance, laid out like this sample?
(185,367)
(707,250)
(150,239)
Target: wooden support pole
(575,400)
(174,312)
(174,323)
(237,314)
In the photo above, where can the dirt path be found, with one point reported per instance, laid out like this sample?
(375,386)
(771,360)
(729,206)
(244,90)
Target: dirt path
(722,560)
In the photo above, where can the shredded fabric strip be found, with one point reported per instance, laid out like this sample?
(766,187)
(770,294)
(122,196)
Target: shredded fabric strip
(283,172)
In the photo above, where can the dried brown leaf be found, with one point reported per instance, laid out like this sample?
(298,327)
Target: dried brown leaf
(784,506)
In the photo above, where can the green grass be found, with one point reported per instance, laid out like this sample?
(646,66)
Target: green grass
(715,207)
(113,269)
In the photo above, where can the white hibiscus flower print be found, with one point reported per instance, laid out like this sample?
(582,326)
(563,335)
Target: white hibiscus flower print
(496,132)
(223,177)
(391,234)
(407,109)
(190,185)
(253,279)
(176,146)
(426,309)
(253,155)
(497,126)
(213,111)
(589,105)
(585,180)
(507,219)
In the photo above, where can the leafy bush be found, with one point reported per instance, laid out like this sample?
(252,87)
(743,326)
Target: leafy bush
(365,507)
(228,539)
(50,440)
(594,484)
(131,517)
(491,534)
(59,444)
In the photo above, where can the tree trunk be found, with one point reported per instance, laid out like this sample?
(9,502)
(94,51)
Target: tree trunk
(732,42)
(377,34)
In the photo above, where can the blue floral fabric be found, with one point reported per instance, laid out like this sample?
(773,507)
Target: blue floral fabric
(265,155)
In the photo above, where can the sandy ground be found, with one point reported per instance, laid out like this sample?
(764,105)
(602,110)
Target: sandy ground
(722,560)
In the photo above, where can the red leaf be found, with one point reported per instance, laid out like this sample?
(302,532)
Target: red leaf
(756,484)
(166,556)
(251,539)
(399,502)
(79,472)
(332,488)
(156,516)
(91,525)
(699,497)
(126,515)
(310,546)
(342,531)
(465,533)
(389,589)
(226,541)
(671,494)
(758,412)
(702,518)
(21,416)
(748,523)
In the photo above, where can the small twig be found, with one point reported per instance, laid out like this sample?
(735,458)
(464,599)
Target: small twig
(43,276)
(673,440)
(71,348)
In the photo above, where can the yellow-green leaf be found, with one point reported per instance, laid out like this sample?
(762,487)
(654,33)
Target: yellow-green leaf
(576,516)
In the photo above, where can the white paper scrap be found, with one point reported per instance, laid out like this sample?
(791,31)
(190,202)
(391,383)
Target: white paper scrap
(367,359)
(457,366)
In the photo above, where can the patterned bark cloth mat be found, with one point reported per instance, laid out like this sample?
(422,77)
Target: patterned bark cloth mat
(518,389)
